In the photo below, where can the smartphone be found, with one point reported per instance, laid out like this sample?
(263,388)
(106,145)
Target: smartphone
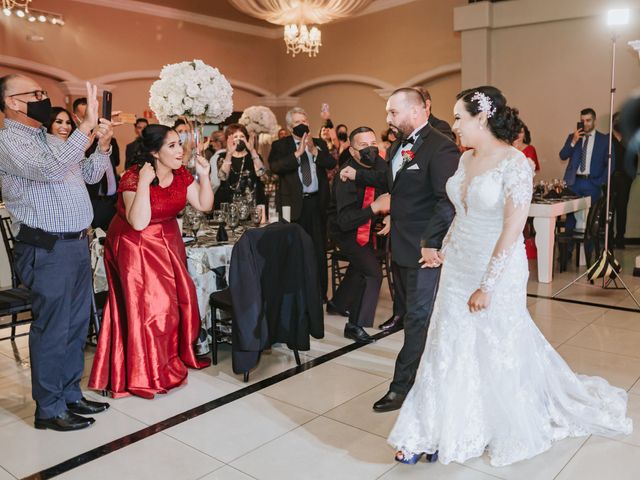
(324,108)
(580,126)
(106,104)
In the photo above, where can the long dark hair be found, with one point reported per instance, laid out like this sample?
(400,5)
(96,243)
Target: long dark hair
(152,138)
(55,111)
(504,123)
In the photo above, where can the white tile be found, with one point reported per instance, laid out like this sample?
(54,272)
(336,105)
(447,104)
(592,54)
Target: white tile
(15,397)
(378,358)
(563,310)
(320,449)
(619,370)
(199,390)
(557,329)
(4,475)
(155,458)
(601,458)
(232,430)
(620,319)
(358,412)
(607,339)
(434,471)
(324,387)
(542,467)
(26,450)
(226,473)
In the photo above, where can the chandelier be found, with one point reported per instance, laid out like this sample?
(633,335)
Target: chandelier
(21,9)
(298,18)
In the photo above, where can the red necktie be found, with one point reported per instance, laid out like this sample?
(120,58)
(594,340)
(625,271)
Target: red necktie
(364,231)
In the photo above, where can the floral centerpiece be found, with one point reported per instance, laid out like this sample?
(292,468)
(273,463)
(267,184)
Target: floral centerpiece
(193,90)
(259,119)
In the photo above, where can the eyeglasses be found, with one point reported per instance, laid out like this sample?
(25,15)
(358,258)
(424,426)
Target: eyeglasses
(39,94)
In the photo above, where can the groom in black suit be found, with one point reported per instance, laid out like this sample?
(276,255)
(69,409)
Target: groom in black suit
(420,163)
(301,162)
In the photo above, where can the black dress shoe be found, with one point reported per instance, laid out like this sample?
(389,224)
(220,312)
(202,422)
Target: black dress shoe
(390,402)
(87,407)
(394,323)
(332,309)
(357,334)
(65,422)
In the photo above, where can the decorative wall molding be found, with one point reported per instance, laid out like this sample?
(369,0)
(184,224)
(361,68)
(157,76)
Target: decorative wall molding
(338,78)
(281,101)
(38,68)
(153,74)
(186,16)
(432,74)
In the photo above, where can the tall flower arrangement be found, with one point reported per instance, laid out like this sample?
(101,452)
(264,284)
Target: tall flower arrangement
(194,90)
(259,119)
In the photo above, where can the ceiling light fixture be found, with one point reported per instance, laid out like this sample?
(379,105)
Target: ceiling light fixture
(22,10)
(299,17)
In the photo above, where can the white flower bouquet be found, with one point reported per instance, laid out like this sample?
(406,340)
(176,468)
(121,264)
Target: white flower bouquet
(259,119)
(193,90)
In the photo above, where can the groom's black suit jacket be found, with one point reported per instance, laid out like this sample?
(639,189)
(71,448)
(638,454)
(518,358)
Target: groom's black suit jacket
(421,212)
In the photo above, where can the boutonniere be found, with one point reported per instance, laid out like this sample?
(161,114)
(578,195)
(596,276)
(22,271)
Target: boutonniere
(407,156)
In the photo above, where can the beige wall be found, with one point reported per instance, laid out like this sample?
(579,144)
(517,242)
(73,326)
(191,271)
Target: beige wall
(551,59)
(389,48)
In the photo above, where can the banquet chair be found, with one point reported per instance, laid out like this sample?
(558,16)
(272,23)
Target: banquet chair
(593,235)
(339,263)
(16,299)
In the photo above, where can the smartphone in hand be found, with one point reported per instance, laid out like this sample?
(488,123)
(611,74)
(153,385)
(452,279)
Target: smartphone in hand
(106,104)
(580,126)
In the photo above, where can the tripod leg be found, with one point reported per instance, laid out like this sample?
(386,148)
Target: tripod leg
(569,284)
(626,288)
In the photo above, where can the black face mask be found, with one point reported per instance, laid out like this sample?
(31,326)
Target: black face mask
(342,136)
(241,146)
(39,110)
(300,130)
(368,156)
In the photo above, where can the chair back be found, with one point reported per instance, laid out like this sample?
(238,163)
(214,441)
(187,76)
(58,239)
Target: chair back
(596,219)
(9,244)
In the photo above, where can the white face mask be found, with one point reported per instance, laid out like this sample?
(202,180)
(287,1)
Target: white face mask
(183,137)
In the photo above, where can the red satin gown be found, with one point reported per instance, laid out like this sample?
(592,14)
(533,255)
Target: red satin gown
(151,318)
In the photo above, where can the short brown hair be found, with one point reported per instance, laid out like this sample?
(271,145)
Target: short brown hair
(233,128)
(425,93)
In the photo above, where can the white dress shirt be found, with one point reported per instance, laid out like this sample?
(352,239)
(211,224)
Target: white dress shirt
(313,187)
(592,137)
(397,161)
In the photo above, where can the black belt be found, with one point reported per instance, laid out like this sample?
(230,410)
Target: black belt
(307,195)
(70,235)
(583,176)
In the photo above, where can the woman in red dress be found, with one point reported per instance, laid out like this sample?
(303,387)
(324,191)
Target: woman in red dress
(523,143)
(151,318)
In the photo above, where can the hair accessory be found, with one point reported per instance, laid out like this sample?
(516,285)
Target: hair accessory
(485,104)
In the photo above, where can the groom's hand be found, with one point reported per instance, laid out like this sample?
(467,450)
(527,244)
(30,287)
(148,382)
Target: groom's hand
(430,258)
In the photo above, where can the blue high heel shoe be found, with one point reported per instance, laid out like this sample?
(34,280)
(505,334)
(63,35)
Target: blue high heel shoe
(413,458)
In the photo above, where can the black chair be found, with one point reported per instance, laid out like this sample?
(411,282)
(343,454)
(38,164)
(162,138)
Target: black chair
(339,264)
(593,236)
(221,332)
(17,299)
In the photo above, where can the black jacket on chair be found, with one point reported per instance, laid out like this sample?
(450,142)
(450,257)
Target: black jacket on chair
(421,212)
(282,160)
(274,292)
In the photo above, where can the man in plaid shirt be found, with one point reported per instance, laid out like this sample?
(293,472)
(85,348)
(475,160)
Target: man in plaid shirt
(43,187)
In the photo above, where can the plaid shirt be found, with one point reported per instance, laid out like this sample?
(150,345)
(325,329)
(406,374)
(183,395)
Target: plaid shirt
(43,178)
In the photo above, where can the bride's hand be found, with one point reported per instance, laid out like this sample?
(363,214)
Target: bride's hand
(478,301)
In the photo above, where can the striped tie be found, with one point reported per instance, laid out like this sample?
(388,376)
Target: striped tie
(583,158)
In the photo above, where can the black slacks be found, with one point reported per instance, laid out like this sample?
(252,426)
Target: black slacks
(60,284)
(360,287)
(421,287)
(314,222)
(620,187)
(399,291)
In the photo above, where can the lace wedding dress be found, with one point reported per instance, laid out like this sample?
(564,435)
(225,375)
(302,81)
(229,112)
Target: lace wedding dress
(489,380)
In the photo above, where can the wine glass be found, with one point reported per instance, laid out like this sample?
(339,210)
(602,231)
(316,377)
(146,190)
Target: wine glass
(196,223)
(244,211)
(233,220)
(256,216)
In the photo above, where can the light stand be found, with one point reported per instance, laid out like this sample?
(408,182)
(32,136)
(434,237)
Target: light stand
(606,266)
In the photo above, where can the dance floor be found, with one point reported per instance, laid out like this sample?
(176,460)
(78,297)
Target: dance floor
(315,421)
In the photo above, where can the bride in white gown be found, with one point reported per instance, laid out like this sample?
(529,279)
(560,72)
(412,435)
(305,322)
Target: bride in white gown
(488,379)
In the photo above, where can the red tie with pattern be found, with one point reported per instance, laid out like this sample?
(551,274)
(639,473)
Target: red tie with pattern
(364,231)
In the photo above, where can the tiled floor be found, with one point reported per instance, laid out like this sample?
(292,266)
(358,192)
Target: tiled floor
(319,424)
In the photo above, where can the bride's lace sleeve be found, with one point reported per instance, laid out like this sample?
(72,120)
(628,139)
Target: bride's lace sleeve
(517,187)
